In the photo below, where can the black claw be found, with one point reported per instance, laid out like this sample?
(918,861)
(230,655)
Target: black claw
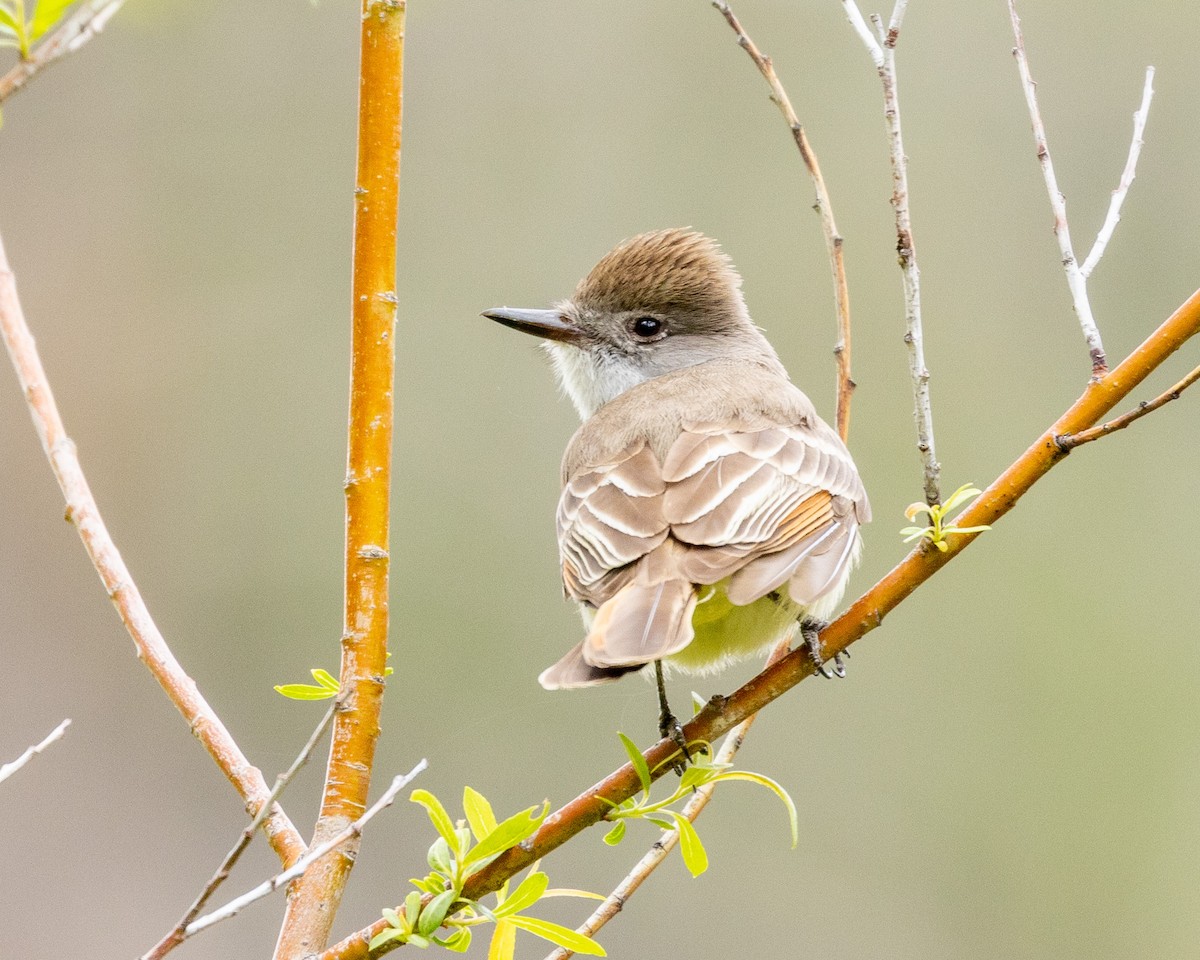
(668,725)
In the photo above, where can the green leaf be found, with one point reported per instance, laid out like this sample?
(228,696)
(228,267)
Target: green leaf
(695,858)
(412,909)
(441,819)
(47,14)
(526,895)
(387,936)
(479,813)
(10,24)
(616,834)
(784,797)
(562,936)
(392,917)
(435,912)
(570,892)
(325,679)
(512,831)
(418,941)
(432,885)
(304,691)
(439,857)
(961,495)
(458,942)
(504,941)
(660,822)
(695,777)
(638,761)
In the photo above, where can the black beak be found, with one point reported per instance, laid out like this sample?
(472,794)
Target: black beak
(547,324)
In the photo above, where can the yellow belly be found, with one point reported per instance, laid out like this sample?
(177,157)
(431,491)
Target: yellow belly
(725,632)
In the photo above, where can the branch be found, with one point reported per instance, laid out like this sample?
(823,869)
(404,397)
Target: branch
(824,208)
(267,887)
(615,902)
(8,769)
(883,55)
(867,612)
(1070,441)
(1076,279)
(151,648)
(1118,197)
(76,30)
(179,932)
(313,902)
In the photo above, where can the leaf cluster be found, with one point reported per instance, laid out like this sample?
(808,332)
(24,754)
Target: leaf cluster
(18,31)
(452,858)
(703,770)
(938,529)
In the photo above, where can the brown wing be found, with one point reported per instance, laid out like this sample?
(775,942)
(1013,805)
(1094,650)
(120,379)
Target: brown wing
(608,517)
(763,507)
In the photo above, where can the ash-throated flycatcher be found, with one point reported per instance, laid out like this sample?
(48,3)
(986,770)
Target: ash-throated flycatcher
(706,508)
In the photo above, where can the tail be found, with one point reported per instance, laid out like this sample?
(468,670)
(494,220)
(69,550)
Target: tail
(640,624)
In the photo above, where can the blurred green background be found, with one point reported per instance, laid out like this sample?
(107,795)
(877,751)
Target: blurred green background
(1012,768)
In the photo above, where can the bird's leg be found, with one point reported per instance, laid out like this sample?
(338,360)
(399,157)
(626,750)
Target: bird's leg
(668,725)
(810,631)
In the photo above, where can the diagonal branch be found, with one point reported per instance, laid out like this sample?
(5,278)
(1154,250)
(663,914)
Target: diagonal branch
(314,900)
(8,769)
(824,208)
(85,22)
(615,902)
(1073,440)
(864,615)
(1076,279)
(1113,217)
(152,649)
(352,831)
(178,933)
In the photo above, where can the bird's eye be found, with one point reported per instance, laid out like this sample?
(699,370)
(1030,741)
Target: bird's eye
(647,327)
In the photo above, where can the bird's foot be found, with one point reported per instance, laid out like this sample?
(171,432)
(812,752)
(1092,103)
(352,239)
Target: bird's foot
(672,729)
(810,631)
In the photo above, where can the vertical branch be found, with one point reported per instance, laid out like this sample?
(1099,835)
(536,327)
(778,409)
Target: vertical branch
(883,54)
(1076,280)
(84,513)
(315,897)
(824,208)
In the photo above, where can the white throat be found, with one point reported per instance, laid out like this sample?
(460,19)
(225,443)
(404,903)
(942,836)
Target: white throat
(590,378)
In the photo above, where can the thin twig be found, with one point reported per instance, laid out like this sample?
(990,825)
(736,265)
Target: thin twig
(316,853)
(863,616)
(824,208)
(77,29)
(177,935)
(1118,197)
(8,769)
(151,648)
(882,50)
(313,902)
(1070,441)
(1076,280)
(616,900)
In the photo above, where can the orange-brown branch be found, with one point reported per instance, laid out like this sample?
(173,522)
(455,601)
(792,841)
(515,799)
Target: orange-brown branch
(824,207)
(150,644)
(314,899)
(867,613)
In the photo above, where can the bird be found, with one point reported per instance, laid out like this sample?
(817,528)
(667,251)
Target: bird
(706,509)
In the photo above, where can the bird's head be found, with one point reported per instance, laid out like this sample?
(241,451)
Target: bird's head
(656,303)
